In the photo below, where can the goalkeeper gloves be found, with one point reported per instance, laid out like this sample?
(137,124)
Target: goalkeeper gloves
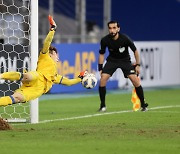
(82,74)
(52,23)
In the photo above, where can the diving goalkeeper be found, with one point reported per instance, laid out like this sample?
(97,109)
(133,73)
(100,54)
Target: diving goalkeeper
(36,83)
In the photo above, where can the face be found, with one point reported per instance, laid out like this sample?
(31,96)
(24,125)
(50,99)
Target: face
(113,29)
(54,56)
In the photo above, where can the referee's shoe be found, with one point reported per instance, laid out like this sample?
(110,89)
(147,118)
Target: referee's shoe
(102,109)
(144,108)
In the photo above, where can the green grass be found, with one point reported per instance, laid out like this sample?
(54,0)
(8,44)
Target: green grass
(153,132)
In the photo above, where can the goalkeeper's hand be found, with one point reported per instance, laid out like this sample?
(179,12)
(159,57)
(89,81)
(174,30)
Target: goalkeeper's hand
(82,74)
(52,23)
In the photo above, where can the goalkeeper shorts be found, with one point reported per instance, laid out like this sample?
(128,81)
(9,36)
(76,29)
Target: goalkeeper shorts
(34,88)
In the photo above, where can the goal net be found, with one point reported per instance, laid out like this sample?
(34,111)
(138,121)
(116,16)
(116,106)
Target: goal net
(15,52)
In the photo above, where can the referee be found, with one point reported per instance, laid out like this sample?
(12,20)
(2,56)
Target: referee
(118,57)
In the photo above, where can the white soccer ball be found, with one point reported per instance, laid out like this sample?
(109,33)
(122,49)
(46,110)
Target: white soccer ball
(89,81)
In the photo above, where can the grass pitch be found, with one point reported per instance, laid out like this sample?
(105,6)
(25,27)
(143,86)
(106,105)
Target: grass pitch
(71,124)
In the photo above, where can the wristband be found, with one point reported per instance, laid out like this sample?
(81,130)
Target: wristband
(100,66)
(53,27)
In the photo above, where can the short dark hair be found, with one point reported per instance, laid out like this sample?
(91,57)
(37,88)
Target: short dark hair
(113,22)
(51,49)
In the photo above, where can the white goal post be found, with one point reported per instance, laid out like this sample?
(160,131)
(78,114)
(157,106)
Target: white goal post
(18,52)
(34,109)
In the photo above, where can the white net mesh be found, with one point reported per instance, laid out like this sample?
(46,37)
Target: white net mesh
(14,51)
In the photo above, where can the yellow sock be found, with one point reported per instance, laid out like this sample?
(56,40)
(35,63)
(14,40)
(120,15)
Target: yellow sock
(4,101)
(11,76)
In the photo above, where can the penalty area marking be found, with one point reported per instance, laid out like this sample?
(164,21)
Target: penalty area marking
(105,113)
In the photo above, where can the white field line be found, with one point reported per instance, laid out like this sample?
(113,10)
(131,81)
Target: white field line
(174,112)
(105,113)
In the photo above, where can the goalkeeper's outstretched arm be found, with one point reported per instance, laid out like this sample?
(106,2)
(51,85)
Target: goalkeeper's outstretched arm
(65,81)
(69,82)
(50,36)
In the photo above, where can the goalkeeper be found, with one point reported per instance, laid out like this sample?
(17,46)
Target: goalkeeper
(36,83)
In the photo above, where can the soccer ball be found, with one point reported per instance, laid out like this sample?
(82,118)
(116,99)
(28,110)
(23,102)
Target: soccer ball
(89,81)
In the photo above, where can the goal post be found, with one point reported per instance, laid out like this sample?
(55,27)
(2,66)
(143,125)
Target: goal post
(18,52)
(34,104)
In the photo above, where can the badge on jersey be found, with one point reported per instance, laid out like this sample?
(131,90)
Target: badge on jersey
(121,50)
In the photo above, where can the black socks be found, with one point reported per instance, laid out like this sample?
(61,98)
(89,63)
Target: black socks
(140,93)
(102,94)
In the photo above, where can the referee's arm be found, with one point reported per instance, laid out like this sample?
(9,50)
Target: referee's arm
(137,57)
(137,65)
(100,62)
(101,55)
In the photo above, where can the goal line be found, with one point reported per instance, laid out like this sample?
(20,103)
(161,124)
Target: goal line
(106,113)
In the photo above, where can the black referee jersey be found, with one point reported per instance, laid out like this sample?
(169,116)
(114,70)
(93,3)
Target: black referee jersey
(118,49)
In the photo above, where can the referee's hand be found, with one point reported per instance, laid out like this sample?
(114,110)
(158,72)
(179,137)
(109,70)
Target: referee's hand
(137,69)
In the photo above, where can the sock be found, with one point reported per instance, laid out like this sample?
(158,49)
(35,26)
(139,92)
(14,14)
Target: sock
(140,93)
(102,95)
(6,100)
(12,76)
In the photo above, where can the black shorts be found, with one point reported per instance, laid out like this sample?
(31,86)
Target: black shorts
(111,66)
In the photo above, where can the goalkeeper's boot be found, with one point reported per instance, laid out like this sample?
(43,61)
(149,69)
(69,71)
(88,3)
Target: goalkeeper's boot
(83,74)
(144,108)
(102,109)
(52,23)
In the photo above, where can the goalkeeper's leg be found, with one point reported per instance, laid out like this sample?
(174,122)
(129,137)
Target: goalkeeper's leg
(28,80)
(24,77)
(9,100)
(12,76)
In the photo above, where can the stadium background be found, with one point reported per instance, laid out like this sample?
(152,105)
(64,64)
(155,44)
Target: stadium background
(142,20)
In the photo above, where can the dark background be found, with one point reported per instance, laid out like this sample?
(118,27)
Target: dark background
(141,19)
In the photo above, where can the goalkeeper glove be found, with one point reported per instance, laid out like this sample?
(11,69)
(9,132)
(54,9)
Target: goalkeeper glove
(52,23)
(82,74)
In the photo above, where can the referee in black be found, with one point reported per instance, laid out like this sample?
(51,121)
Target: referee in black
(118,57)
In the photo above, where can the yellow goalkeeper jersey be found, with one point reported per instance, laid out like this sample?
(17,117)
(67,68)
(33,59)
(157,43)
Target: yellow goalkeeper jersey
(46,65)
(48,68)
